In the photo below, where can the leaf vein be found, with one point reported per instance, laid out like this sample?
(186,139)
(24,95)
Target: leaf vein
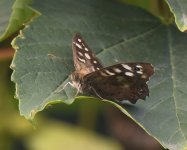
(122,41)
(171,55)
(155,106)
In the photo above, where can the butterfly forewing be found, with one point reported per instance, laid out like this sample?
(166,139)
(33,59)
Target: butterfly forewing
(85,61)
(126,81)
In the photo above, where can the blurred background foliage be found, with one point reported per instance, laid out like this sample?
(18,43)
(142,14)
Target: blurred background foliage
(83,125)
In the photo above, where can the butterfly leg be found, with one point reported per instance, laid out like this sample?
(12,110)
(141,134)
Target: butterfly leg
(96,93)
(68,83)
(59,89)
(78,90)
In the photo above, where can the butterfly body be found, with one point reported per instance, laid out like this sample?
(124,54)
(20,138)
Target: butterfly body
(125,81)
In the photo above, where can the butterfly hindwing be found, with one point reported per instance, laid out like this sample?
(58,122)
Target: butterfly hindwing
(121,82)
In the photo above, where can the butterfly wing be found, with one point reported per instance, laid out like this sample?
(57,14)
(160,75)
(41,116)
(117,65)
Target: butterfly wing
(85,60)
(121,82)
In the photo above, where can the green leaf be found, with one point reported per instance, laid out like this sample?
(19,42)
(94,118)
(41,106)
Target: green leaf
(13,15)
(116,33)
(179,9)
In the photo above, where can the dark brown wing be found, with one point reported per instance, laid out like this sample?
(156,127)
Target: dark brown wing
(84,59)
(121,82)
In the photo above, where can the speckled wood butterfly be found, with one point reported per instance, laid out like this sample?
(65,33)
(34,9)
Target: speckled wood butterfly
(125,81)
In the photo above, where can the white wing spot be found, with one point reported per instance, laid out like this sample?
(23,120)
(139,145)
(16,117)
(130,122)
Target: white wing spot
(98,68)
(86,49)
(129,74)
(127,67)
(139,72)
(139,66)
(93,69)
(82,60)
(144,76)
(109,73)
(103,74)
(117,70)
(80,53)
(79,40)
(87,56)
(95,62)
(78,45)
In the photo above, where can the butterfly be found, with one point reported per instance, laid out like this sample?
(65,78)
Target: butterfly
(119,82)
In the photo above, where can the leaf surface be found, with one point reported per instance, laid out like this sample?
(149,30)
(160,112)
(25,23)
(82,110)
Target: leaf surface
(116,33)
